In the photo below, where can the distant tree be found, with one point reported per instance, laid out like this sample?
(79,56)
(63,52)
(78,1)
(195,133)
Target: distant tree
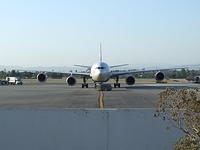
(168,74)
(14,73)
(183,73)
(27,75)
(182,108)
(3,74)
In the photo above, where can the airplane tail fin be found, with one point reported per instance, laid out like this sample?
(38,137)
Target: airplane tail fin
(100,53)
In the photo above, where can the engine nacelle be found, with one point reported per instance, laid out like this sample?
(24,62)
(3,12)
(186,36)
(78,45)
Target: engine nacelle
(197,79)
(71,81)
(159,76)
(41,77)
(130,80)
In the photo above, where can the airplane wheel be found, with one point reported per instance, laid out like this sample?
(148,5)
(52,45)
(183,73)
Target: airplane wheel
(119,85)
(114,85)
(84,85)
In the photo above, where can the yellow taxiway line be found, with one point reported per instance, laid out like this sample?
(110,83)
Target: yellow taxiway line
(101,99)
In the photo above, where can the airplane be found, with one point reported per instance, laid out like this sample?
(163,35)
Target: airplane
(101,72)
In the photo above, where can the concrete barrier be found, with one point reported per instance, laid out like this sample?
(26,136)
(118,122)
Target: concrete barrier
(80,129)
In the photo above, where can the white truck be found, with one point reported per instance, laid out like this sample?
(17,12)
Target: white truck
(14,80)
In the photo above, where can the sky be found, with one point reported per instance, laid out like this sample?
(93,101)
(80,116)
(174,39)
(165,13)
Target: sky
(64,33)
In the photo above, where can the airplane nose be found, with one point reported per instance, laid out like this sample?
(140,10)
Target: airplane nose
(100,76)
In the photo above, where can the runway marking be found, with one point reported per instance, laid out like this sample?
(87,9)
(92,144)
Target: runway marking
(101,99)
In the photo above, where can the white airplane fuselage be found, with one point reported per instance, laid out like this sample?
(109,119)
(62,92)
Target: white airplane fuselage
(100,72)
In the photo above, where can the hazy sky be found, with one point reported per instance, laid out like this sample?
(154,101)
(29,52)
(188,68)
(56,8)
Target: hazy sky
(63,33)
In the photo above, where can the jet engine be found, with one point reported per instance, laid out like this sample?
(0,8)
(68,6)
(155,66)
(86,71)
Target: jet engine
(159,76)
(197,79)
(41,77)
(130,80)
(71,80)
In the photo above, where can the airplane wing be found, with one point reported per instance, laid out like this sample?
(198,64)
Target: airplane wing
(84,74)
(118,65)
(88,67)
(142,71)
(80,74)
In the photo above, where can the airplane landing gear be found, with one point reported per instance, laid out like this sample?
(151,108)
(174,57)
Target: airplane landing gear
(95,85)
(84,84)
(117,84)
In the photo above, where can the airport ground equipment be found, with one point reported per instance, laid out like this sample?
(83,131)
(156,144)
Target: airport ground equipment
(14,80)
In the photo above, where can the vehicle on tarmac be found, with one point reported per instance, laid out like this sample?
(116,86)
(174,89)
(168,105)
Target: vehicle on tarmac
(14,80)
(3,82)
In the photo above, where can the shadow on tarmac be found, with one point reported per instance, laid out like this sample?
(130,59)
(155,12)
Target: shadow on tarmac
(158,87)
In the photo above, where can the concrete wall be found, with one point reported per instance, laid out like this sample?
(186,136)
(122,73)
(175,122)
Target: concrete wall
(71,129)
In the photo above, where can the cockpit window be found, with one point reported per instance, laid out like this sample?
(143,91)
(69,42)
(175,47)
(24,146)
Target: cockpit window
(100,68)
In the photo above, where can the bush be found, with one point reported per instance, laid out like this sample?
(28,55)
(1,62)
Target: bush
(182,108)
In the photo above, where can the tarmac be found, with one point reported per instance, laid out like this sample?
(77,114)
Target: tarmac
(47,112)
(60,95)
